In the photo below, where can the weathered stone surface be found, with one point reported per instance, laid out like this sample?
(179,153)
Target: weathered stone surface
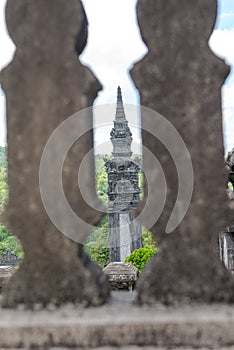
(121,275)
(120,323)
(181,79)
(133,347)
(5,274)
(45,84)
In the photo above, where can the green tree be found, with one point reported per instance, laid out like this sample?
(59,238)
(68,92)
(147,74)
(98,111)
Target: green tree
(101,177)
(148,239)
(3,157)
(7,240)
(140,257)
(97,246)
(3,188)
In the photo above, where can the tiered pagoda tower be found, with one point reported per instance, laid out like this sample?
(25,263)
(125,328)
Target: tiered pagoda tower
(123,191)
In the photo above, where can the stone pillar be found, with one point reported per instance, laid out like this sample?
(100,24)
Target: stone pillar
(45,84)
(114,237)
(181,79)
(123,191)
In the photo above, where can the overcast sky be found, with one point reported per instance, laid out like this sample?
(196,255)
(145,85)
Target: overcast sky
(112,52)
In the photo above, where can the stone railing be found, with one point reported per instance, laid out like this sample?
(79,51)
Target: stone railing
(45,83)
(179,78)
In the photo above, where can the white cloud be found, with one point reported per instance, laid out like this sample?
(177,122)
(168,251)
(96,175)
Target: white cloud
(222,44)
(2,120)
(228,116)
(114,43)
(7,48)
(110,51)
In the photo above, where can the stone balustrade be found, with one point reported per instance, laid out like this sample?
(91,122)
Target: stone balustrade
(44,84)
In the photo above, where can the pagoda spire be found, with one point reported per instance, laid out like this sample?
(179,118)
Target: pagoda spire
(121,136)
(123,190)
(119,106)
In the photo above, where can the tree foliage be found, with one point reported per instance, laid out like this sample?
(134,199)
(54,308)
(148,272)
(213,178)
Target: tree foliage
(3,157)
(148,239)
(101,177)
(3,188)
(140,257)
(97,244)
(8,242)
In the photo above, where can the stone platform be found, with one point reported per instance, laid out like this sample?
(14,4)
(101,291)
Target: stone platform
(120,323)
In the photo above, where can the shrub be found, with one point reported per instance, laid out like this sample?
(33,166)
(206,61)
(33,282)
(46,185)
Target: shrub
(140,257)
(148,239)
(97,244)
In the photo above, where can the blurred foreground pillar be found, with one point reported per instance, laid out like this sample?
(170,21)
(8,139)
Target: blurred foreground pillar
(45,84)
(181,79)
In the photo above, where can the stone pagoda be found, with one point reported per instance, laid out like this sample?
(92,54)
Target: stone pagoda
(123,191)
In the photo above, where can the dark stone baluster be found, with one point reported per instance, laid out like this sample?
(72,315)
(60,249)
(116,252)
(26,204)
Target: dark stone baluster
(181,79)
(45,84)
